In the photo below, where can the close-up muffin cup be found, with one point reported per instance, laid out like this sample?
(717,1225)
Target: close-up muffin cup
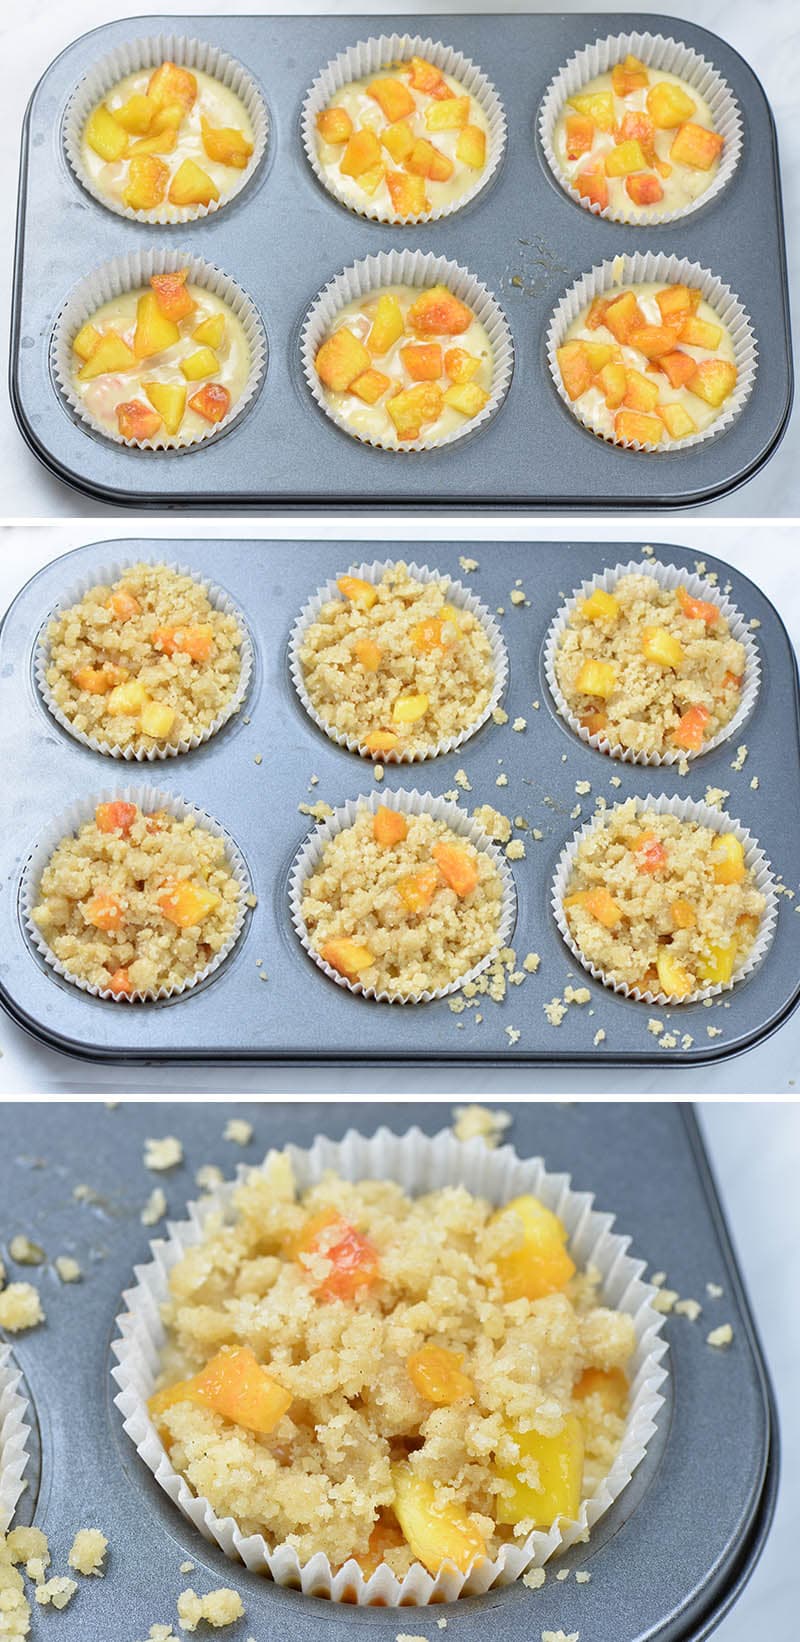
(14,1432)
(737,859)
(699,595)
(181,904)
(219,162)
(472,125)
(125,283)
(345,958)
(419,1164)
(628,414)
(386,745)
(161,743)
(651,54)
(399,274)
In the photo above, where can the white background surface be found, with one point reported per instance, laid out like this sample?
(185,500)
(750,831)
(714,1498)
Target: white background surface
(766,34)
(770,554)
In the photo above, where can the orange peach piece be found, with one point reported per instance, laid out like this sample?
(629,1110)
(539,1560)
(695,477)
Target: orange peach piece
(409,708)
(700,333)
(677,301)
(599,904)
(638,128)
(170,84)
(360,593)
(191,185)
(392,96)
(654,340)
(592,184)
(193,639)
(539,1264)
(415,406)
(471,147)
(417,889)
(609,1384)
(136,420)
(623,316)
(697,609)
(427,78)
(640,393)
(683,914)
(644,189)
(697,147)
(363,151)
(226,144)
(629,76)
(437,312)
(172,294)
(437,1375)
(120,983)
(690,730)
(123,604)
(460,365)
(341,359)
(162,142)
(380,742)
(579,131)
(596,316)
(334,125)
(354,1259)
(212,401)
(457,866)
(599,105)
(368,654)
(235,1386)
(370,386)
(407,194)
(678,367)
(633,427)
(105,911)
(651,852)
(99,681)
(186,904)
(423,361)
(713,381)
(728,857)
(426,160)
(576,371)
(147,182)
(115,816)
(389,826)
(349,957)
(669,105)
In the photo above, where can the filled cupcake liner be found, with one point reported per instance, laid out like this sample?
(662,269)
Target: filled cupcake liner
(637,268)
(667,576)
(411,802)
(14,1433)
(419,1163)
(149,53)
(128,273)
(458,595)
(218,598)
(421,269)
(67,824)
(664,55)
(686,809)
(380,53)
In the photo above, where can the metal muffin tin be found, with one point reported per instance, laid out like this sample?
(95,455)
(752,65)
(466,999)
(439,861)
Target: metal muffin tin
(298,1014)
(284,237)
(655,1575)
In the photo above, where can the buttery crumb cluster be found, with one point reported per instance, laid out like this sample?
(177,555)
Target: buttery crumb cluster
(664,905)
(650,668)
(402,904)
(143,661)
(355,1372)
(395,665)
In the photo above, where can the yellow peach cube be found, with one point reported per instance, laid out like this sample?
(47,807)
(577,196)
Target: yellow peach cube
(191,185)
(370,386)
(598,105)
(105,135)
(86,341)
(601,606)
(728,857)
(669,105)
(186,904)
(559,1461)
(127,700)
(111,353)
(154,330)
(226,144)
(147,182)
(539,1263)
(398,139)
(387,325)
(341,359)
(471,147)
(673,979)
(436,1532)
(136,115)
(662,647)
(360,593)
(466,397)
(447,114)
(170,402)
(716,964)
(202,363)
(347,956)
(156,720)
(407,709)
(210,331)
(596,678)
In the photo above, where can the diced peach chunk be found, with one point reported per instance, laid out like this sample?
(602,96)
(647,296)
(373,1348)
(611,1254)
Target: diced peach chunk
(170,117)
(105,911)
(348,956)
(370,386)
(623,316)
(161,142)
(728,857)
(360,593)
(673,978)
(700,333)
(597,312)
(559,1464)
(539,1263)
(111,353)
(212,401)
(460,365)
(156,720)
(655,340)
(191,185)
(99,681)
(387,325)
(115,816)
(120,983)
(614,384)
(624,158)
(235,1386)
(380,742)
(211,331)
(194,639)
(368,654)
(363,151)
(417,889)
(123,604)
(398,139)
(389,826)
(415,406)
(426,160)
(457,866)
(437,1375)
(629,76)
(467,398)
(669,105)
(640,393)
(592,184)
(437,312)
(644,189)
(471,147)
(136,114)
(105,135)
(609,1384)
(407,194)
(86,341)
(595,723)
(691,728)
(408,709)
(154,331)
(354,1259)
(341,359)
(203,362)
(632,427)
(136,420)
(386,1536)
(447,114)
(600,606)
(147,182)
(677,301)
(369,181)
(127,700)
(576,370)
(579,132)
(334,125)
(186,904)
(226,144)
(713,381)
(676,419)
(716,963)
(697,609)
(170,84)
(426,77)
(678,367)
(599,904)
(697,147)
(599,105)
(393,97)
(651,852)
(172,294)
(683,914)
(436,1532)
(660,646)
(596,678)
(422,360)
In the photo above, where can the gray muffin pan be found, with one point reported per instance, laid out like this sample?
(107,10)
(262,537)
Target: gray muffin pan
(298,1014)
(285,237)
(666,1562)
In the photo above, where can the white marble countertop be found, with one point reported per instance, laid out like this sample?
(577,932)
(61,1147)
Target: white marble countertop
(768,36)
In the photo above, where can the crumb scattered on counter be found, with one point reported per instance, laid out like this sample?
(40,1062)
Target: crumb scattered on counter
(493,822)
(20,1308)
(517,596)
(599,1037)
(513,1034)
(531,962)
(239,1131)
(187,1567)
(515,850)
(163,1154)
(155,1208)
(502,781)
(88,1552)
(480,1123)
(560,1636)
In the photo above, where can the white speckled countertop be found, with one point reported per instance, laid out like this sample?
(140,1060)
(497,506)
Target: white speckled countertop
(768,36)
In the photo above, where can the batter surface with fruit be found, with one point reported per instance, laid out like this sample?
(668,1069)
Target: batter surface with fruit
(389,1378)
(167,141)
(143,662)
(664,905)
(650,668)
(639,141)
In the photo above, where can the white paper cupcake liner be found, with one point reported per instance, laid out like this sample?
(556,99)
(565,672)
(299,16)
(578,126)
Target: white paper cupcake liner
(457,595)
(409,803)
(639,268)
(130,273)
(419,1163)
(14,1433)
(421,269)
(105,576)
(380,53)
(67,824)
(686,809)
(149,53)
(664,55)
(668,576)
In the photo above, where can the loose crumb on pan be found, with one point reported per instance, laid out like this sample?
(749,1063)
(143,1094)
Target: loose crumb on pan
(68,1269)
(57,1591)
(582,1577)
(479,1122)
(535,1579)
(720,1337)
(688,1308)
(239,1131)
(209,1177)
(714,1291)
(163,1154)
(88,1552)
(23,1544)
(155,1208)
(216,1608)
(25,1253)
(187,1568)
(20,1308)
(560,1636)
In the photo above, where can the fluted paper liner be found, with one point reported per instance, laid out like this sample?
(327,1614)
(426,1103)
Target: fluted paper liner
(421,269)
(669,576)
(14,1432)
(149,53)
(378,54)
(310,855)
(639,268)
(457,595)
(218,598)
(686,809)
(67,824)
(130,273)
(419,1163)
(663,55)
